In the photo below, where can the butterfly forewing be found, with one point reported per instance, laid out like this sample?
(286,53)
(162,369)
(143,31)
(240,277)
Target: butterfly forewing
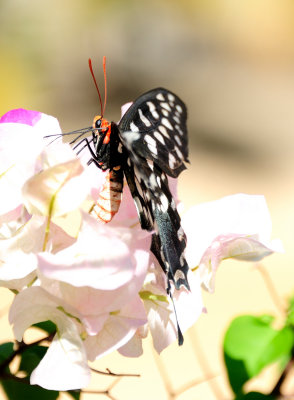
(154,128)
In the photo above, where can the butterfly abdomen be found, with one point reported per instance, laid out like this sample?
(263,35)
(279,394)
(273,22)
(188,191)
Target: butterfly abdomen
(110,196)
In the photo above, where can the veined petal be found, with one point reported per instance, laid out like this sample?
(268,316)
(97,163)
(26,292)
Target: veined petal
(236,226)
(101,258)
(56,190)
(244,248)
(117,330)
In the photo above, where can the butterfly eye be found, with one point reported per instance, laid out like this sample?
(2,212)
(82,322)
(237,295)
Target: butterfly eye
(98,123)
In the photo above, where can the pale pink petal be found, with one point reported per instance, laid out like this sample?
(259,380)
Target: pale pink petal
(17,162)
(101,258)
(134,348)
(125,107)
(118,329)
(64,366)
(231,217)
(245,248)
(21,116)
(17,254)
(115,333)
(17,270)
(56,190)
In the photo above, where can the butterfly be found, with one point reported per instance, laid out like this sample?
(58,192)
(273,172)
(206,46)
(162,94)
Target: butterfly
(148,144)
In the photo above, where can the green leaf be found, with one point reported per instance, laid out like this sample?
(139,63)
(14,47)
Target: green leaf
(76,394)
(17,390)
(290,311)
(46,326)
(255,396)
(6,351)
(31,357)
(250,344)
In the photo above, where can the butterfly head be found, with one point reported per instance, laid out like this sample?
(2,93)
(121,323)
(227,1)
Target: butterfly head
(102,129)
(101,132)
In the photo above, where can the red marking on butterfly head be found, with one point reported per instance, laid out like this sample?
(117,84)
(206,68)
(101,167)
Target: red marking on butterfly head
(101,125)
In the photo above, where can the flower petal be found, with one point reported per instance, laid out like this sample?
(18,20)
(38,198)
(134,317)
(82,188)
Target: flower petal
(21,116)
(236,226)
(56,190)
(64,366)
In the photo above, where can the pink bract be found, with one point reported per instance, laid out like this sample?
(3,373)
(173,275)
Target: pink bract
(21,116)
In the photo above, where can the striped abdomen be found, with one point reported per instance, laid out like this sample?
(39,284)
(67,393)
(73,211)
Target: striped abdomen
(110,196)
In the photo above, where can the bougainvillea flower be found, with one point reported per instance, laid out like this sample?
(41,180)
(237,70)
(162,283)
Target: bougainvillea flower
(237,226)
(99,283)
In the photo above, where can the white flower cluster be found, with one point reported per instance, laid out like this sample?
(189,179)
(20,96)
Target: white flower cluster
(99,283)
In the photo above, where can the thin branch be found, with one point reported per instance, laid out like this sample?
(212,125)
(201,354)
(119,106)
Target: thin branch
(196,382)
(102,392)
(110,373)
(21,347)
(271,288)
(106,392)
(214,386)
(164,375)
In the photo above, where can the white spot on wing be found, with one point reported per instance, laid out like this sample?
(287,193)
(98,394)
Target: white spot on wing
(178,140)
(166,106)
(160,96)
(179,153)
(143,118)
(119,148)
(132,136)
(150,164)
(177,119)
(171,97)
(171,160)
(152,109)
(166,122)
(179,129)
(134,127)
(180,233)
(163,130)
(138,204)
(152,180)
(179,108)
(179,275)
(164,112)
(159,137)
(151,143)
(164,203)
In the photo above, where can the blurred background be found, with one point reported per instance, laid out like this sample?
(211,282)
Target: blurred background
(232,62)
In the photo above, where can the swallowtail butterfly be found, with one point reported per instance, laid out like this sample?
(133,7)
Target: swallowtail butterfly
(147,145)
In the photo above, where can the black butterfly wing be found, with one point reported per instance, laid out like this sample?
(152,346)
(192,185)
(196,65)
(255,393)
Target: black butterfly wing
(149,159)
(158,122)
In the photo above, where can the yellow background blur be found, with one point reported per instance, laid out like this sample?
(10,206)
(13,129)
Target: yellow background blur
(232,62)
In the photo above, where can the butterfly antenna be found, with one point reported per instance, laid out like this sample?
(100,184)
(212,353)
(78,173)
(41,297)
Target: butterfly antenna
(105,84)
(94,79)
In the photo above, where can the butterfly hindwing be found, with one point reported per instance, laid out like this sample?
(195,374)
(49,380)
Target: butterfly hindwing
(157,211)
(154,127)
